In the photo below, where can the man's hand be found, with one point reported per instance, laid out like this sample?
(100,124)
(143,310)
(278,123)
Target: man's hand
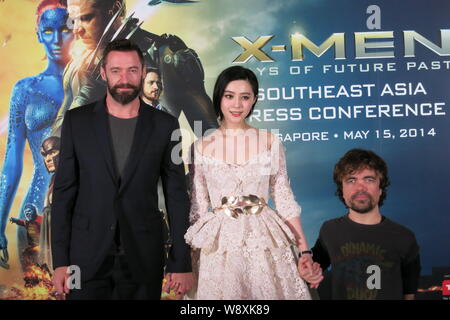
(180,283)
(60,280)
(310,272)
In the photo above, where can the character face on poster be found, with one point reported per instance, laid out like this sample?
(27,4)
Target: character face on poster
(89,20)
(50,152)
(152,88)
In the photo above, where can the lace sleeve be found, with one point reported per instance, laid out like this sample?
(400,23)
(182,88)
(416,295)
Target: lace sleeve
(280,188)
(200,202)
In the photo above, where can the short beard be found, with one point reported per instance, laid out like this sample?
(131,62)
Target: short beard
(154,101)
(124,98)
(362,210)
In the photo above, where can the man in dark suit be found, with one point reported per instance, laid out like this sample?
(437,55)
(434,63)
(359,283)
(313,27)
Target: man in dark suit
(105,216)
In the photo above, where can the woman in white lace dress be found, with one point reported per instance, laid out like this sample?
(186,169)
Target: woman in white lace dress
(242,248)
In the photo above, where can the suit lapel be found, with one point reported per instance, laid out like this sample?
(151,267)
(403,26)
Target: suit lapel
(104,140)
(144,127)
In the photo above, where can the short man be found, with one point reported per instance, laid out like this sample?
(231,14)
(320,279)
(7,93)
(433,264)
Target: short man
(105,216)
(95,22)
(371,256)
(50,149)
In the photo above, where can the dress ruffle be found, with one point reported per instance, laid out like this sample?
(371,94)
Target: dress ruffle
(217,232)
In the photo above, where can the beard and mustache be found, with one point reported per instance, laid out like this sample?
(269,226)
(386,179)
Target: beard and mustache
(362,206)
(124,97)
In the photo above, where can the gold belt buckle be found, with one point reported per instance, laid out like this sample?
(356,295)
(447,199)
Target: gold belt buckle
(234,206)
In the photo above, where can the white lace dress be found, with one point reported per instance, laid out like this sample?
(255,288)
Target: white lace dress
(248,257)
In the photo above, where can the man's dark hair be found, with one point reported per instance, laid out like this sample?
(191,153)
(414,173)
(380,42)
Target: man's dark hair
(123,45)
(155,70)
(356,160)
(232,74)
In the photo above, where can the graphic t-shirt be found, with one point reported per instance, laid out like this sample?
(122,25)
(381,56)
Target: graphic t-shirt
(368,261)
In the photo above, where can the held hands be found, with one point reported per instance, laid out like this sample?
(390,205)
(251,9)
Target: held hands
(310,271)
(180,283)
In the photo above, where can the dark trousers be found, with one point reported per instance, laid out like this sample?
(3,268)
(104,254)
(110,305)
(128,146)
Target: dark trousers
(114,282)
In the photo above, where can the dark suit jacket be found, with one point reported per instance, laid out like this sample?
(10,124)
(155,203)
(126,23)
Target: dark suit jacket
(89,198)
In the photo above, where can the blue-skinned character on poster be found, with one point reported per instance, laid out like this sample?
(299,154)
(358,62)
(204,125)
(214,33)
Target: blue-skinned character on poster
(34,105)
